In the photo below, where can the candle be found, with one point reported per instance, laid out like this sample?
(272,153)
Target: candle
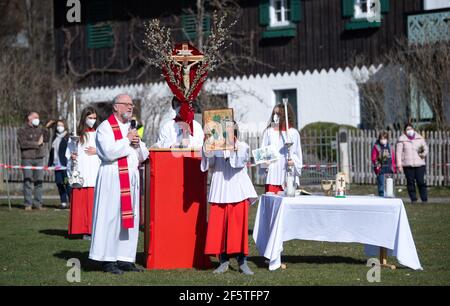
(285,101)
(389,187)
(74,115)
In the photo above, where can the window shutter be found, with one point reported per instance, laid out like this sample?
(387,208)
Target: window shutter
(99,32)
(264,18)
(296,12)
(384,6)
(189,24)
(348,8)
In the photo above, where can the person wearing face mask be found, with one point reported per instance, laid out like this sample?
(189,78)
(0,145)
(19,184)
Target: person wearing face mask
(176,132)
(411,152)
(383,160)
(32,139)
(115,221)
(57,158)
(88,163)
(275,135)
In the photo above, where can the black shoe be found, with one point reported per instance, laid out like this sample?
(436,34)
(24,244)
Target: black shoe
(111,267)
(128,267)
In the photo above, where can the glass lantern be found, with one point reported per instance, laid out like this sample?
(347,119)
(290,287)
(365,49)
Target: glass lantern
(389,185)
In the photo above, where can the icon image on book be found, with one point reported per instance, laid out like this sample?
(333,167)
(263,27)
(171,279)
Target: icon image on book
(265,154)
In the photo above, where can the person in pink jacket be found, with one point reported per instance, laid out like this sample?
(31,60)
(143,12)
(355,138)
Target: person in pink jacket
(411,152)
(383,160)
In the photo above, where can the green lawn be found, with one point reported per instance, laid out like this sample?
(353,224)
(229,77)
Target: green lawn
(34,251)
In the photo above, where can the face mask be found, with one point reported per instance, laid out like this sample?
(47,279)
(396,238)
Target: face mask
(410,133)
(90,122)
(276,119)
(60,129)
(35,122)
(177,110)
(383,142)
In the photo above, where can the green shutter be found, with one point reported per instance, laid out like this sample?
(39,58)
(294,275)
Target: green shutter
(189,24)
(348,8)
(264,18)
(384,6)
(287,31)
(296,13)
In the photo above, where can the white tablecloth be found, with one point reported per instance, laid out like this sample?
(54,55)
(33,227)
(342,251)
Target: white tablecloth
(373,221)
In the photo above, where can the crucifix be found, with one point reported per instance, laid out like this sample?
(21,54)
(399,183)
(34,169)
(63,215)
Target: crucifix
(342,182)
(185,59)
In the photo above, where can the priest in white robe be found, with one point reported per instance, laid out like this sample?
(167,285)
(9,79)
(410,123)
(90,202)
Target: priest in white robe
(176,133)
(115,233)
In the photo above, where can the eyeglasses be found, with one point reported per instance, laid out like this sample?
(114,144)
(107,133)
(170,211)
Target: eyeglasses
(127,104)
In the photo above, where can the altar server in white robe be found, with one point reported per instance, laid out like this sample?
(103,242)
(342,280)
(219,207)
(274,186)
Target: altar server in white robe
(275,135)
(176,133)
(230,195)
(116,208)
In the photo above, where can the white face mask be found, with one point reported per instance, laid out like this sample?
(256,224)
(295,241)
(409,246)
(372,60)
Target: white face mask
(35,122)
(383,142)
(410,133)
(276,119)
(60,129)
(90,122)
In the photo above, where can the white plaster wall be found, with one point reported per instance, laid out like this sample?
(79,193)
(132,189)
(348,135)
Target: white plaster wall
(326,96)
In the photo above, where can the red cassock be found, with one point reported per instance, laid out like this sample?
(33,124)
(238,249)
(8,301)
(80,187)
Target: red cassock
(81,206)
(273,188)
(228,228)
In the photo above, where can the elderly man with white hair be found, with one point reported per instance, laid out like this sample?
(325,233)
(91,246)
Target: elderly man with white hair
(115,225)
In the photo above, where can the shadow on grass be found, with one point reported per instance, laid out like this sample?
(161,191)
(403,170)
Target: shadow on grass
(89,264)
(259,261)
(55,232)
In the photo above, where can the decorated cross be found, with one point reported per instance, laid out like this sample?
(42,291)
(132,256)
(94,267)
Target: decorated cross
(342,180)
(182,58)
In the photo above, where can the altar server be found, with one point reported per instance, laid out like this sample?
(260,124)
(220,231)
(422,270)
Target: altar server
(87,160)
(116,207)
(231,193)
(176,133)
(275,135)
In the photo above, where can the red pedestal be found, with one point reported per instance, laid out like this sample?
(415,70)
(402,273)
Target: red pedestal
(175,211)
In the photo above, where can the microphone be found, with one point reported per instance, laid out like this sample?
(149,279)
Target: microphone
(133,124)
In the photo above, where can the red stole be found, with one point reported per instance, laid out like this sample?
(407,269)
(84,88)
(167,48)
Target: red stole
(124,179)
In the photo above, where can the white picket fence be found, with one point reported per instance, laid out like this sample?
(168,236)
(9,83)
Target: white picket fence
(437,161)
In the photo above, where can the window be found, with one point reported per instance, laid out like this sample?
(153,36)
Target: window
(279,17)
(280,13)
(291,95)
(366,9)
(364,14)
(99,32)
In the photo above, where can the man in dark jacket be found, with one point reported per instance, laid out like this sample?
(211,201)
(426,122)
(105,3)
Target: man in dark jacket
(31,139)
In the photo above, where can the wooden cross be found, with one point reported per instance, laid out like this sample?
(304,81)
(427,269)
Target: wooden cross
(184,55)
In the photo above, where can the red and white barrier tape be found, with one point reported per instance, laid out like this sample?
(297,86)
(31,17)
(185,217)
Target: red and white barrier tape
(45,168)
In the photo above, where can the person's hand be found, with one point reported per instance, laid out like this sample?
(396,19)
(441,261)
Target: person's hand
(90,151)
(422,155)
(135,141)
(50,123)
(400,169)
(131,135)
(74,156)
(41,140)
(290,163)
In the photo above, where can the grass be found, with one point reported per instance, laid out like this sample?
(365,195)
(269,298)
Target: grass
(34,250)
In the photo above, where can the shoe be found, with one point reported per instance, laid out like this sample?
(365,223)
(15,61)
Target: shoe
(64,205)
(40,208)
(87,237)
(111,267)
(28,208)
(128,267)
(222,268)
(245,269)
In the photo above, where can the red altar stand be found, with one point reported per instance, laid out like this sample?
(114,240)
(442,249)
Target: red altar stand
(175,210)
